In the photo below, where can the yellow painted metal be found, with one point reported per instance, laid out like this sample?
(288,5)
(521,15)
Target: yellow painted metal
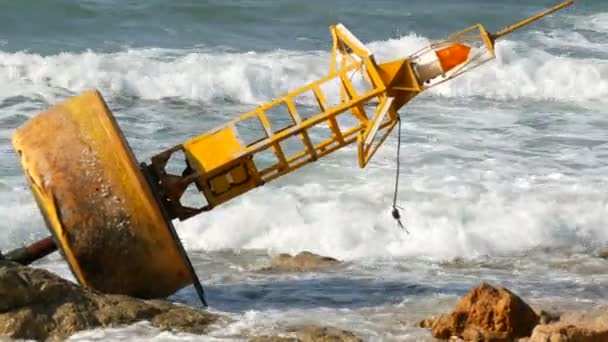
(389,86)
(96,202)
(214,155)
(215,149)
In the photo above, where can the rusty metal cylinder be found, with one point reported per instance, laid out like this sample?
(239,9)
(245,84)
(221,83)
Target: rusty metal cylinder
(96,202)
(28,254)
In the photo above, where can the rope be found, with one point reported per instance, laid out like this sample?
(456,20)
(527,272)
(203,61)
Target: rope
(395,212)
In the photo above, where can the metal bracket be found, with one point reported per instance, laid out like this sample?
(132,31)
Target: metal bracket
(170,188)
(152,181)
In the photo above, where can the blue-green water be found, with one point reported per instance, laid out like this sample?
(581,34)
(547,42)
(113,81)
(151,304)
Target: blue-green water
(52,27)
(503,170)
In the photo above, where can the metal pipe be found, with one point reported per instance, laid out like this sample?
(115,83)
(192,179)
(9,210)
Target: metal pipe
(28,254)
(529,20)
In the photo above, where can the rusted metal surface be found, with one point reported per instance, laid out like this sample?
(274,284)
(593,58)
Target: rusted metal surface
(35,251)
(96,202)
(171,187)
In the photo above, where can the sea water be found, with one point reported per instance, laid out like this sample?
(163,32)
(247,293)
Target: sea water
(503,171)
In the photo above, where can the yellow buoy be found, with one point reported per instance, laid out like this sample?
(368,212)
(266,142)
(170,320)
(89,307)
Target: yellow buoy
(97,203)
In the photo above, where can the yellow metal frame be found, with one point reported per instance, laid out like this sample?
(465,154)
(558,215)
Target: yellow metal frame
(225,164)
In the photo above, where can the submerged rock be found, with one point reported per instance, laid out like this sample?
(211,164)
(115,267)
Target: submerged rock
(546,317)
(36,304)
(486,313)
(311,333)
(588,326)
(303,262)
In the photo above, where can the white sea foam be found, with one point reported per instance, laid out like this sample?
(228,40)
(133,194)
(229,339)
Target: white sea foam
(521,71)
(151,74)
(566,39)
(21,222)
(447,217)
(596,22)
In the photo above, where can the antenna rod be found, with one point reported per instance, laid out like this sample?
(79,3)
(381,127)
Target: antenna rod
(531,19)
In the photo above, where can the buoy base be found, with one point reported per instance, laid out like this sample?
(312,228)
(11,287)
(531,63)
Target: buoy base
(97,204)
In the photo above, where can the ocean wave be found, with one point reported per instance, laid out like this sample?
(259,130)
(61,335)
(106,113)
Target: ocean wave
(354,222)
(521,71)
(158,73)
(572,43)
(596,22)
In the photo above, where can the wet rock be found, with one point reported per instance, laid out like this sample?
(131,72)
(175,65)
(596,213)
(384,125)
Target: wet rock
(486,313)
(303,262)
(588,326)
(274,339)
(325,334)
(36,304)
(603,254)
(426,323)
(546,317)
(311,333)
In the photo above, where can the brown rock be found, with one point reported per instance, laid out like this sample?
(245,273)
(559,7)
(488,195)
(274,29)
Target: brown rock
(426,323)
(546,317)
(603,254)
(303,262)
(311,333)
(37,304)
(325,334)
(588,326)
(274,339)
(486,314)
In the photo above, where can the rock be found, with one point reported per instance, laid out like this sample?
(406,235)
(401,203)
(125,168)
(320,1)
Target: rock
(311,333)
(274,339)
(588,326)
(546,317)
(325,334)
(603,254)
(37,304)
(426,323)
(486,314)
(303,262)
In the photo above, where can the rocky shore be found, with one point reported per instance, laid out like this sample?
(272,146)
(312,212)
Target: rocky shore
(488,313)
(38,305)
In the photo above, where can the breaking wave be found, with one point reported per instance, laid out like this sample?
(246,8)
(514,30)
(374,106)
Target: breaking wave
(355,222)
(596,22)
(521,71)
